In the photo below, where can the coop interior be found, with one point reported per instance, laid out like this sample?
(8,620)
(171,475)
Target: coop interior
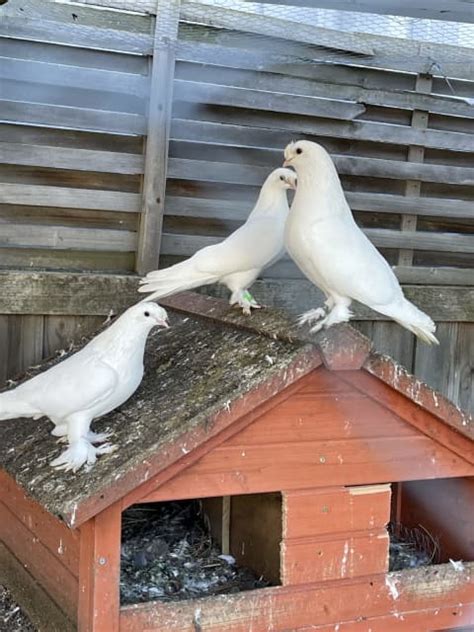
(431,523)
(199,548)
(195,548)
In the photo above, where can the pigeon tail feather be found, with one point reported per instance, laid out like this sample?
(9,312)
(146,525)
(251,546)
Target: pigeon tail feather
(409,316)
(174,279)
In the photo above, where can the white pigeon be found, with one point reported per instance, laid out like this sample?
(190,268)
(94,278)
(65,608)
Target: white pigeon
(238,260)
(332,251)
(87,385)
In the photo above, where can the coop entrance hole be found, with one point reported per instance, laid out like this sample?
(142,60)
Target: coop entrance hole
(200,548)
(431,522)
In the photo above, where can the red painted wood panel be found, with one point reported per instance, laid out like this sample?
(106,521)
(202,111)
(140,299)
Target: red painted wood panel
(294,607)
(432,620)
(308,417)
(312,512)
(99,572)
(232,470)
(59,539)
(46,568)
(308,560)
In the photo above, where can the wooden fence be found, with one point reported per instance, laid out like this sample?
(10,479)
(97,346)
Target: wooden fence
(101,110)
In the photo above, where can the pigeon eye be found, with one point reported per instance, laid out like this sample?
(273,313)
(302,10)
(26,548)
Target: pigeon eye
(282,178)
(146,314)
(299,150)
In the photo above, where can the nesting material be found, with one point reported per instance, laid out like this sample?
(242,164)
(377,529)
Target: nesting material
(411,547)
(168,554)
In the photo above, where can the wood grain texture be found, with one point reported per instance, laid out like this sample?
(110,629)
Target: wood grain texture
(62,543)
(99,572)
(56,579)
(41,609)
(157,141)
(309,513)
(330,558)
(425,589)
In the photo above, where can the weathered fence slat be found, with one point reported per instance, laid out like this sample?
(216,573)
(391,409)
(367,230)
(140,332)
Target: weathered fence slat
(68,76)
(346,165)
(58,116)
(254,131)
(76,35)
(66,158)
(196,92)
(61,197)
(62,238)
(186,245)
(159,121)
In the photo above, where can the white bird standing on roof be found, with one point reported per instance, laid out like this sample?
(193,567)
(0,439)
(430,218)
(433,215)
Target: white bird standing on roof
(87,385)
(238,260)
(332,251)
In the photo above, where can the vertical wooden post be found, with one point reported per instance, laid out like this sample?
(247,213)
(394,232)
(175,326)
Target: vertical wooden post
(419,120)
(156,146)
(226,509)
(99,572)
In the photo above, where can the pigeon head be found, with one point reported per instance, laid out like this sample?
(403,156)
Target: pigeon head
(303,152)
(285,178)
(148,314)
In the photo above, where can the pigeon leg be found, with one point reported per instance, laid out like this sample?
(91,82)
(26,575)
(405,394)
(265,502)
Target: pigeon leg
(245,300)
(80,451)
(340,313)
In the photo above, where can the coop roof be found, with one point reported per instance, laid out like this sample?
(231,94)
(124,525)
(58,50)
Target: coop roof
(212,367)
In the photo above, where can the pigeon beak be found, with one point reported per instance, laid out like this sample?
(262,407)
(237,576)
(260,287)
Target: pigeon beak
(287,162)
(162,323)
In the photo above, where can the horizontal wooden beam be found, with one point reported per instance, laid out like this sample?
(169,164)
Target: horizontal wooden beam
(224,17)
(66,238)
(261,129)
(216,72)
(242,173)
(76,35)
(63,197)
(25,292)
(197,92)
(237,210)
(70,158)
(67,76)
(60,116)
(186,244)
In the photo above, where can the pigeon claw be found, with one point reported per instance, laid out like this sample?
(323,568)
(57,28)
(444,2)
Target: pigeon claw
(79,453)
(312,316)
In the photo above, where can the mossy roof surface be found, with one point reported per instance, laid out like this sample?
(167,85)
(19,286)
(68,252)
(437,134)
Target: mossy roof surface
(192,370)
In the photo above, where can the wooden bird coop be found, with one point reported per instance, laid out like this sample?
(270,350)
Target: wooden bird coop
(301,448)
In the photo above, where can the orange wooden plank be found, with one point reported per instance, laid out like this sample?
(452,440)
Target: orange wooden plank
(240,470)
(99,572)
(323,381)
(306,417)
(46,568)
(59,539)
(408,410)
(312,512)
(287,608)
(229,423)
(434,619)
(308,560)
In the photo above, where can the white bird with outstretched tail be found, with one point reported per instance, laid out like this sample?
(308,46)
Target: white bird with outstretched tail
(88,384)
(333,252)
(238,260)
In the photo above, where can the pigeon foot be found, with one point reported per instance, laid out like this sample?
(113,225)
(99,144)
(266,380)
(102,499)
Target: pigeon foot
(79,453)
(311,316)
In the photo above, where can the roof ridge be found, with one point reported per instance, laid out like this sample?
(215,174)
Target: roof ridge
(341,347)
